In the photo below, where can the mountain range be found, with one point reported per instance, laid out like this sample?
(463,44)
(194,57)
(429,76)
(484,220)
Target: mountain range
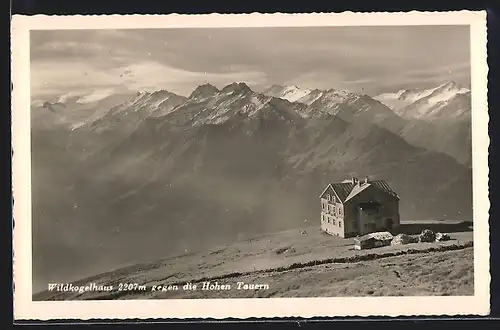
(437,118)
(448,100)
(144,175)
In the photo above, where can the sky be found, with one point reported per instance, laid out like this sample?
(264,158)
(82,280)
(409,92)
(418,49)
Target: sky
(371,60)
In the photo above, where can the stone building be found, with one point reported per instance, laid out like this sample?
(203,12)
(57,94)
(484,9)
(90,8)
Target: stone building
(357,207)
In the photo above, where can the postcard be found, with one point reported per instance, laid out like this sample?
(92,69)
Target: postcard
(250,166)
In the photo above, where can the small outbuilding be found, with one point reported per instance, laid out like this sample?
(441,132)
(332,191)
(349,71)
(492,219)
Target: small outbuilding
(373,240)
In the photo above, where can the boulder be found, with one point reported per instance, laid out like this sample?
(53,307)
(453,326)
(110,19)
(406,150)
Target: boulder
(440,237)
(414,238)
(401,239)
(427,235)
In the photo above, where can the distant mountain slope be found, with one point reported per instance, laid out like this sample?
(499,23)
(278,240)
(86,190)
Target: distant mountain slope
(108,127)
(436,118)
(439,118)
(165,173)
(447,100)
(452,137)
(343,104)
(289,93)
(73,112)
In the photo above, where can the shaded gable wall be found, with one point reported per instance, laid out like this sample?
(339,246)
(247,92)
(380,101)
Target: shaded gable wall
(356,225)
(332,214)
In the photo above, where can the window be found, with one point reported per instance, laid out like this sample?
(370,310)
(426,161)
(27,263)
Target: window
(340,224)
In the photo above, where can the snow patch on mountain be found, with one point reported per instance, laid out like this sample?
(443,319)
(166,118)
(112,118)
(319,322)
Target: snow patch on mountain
(294,93)
(204,91)
(155,103)
(445,93)
(338,96)
(289,93)
(427,103)
(311,96)
(233,100)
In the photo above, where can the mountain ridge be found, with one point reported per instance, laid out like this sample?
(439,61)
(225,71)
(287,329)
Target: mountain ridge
(443,133)
(438,118)
(423,103)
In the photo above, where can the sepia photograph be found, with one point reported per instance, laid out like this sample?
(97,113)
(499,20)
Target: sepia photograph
(205,162)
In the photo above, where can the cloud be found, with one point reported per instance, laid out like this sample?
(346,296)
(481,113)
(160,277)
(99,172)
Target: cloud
(336,80)
(100,54)
(154,75)
(71,46)
(372,81)
(368,59)
(315,79)
(97,95)
(81,78)
(70,96)
(452,69)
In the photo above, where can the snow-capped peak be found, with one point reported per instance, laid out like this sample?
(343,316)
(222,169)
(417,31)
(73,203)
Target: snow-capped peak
(289,93)
(452,87)
(236,87)
(420,103)
(203,91)
(294,93)
(405,97)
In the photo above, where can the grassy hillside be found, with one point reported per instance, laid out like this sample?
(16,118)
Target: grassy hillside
(303,262)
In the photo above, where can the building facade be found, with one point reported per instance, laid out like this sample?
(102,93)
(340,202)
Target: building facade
(357,207)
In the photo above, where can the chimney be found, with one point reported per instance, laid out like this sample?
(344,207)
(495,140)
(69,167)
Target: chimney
(366,179)
(354,180)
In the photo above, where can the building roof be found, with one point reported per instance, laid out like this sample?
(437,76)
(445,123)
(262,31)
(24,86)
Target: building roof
(348,189)
(342,189)
(382,235)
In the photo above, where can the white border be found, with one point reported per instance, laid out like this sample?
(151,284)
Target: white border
(25,308)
